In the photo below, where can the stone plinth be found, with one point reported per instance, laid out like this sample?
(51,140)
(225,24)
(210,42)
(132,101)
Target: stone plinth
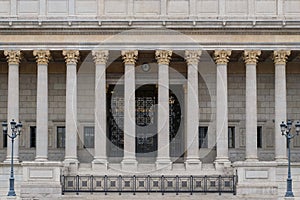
(41,179)
(256,178)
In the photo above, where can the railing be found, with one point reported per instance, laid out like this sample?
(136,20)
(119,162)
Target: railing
(149,184)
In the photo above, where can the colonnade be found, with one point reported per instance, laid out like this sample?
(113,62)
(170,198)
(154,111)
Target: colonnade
(163,58)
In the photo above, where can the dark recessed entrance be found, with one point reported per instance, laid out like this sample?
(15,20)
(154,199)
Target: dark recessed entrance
(146,121)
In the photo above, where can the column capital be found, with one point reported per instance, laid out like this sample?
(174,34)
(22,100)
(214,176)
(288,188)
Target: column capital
(13,56)
(251,56)
(100,56)
(42,56)
(129,57)
(163,56)
(280,57)
(192,57)
(222,56)
(71,56)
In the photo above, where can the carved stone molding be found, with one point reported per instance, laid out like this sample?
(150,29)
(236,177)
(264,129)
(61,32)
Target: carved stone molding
(251,56)
(13,56)
(222,56)
(129,57)
(100,57)
(192,57)
(71,56)
(42,56)
(163,56)
(280,57)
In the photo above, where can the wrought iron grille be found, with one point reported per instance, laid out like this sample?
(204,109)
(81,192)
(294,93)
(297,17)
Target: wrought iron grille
(149,184)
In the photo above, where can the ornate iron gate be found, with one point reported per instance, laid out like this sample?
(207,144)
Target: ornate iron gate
(146,118)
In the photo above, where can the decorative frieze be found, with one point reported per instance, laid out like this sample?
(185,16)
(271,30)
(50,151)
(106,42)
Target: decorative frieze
(42,56)
(71,56)
(222,56)
(163,56)
(129,57)
(192,57)
(280,57)
(100,57)
(13,56)
(251,57)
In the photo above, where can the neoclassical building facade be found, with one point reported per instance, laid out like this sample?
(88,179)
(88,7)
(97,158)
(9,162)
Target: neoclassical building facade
(120,92)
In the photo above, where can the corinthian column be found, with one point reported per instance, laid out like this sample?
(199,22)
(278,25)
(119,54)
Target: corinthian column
(192,161)
(163,148)
(129,161)
(13,59)
(222,58)
(251,58)
(100,159)
(42,59)
(71,58)
(280,59)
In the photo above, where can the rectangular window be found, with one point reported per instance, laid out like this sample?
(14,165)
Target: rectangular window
(61,135)
(259,137)
(231,137)
(32,136)
(203,141)
(88,137)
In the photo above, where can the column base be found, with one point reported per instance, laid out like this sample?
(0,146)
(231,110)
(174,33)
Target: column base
(40,159)
(99,164)
(251,159)
(281,159)
(222,163)
(129,164)
(193,164)
(163,163)
(8,160)
(71,165)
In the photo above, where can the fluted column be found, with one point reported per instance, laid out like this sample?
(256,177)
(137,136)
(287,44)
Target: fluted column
(251,59)
(100,157)
(192,161)
(71,58)
(222,58)
(280,59)
(163,148)
(42,59)
(129,161)
(13,59)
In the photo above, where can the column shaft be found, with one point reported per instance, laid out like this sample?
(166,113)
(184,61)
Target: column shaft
(163,148)
(280,59)
(192,160)
(42,105)
(100,157)
(251,112)
(251,59)
(222,58)
(129,161)
(222,113)
(13,59)
(71,106)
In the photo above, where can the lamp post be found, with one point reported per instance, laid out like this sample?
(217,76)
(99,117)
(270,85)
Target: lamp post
(286,131)
(15,131)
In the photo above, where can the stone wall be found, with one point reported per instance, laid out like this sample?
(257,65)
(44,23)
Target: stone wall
(153,9)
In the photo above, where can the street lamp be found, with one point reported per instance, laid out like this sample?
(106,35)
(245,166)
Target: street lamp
(16,129)
(286,131)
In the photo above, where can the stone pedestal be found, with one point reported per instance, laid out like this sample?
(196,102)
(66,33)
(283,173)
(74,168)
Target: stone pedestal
(129,165)
(193,164)
(163,164)
(256,178)
(41,180)
(99,164)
